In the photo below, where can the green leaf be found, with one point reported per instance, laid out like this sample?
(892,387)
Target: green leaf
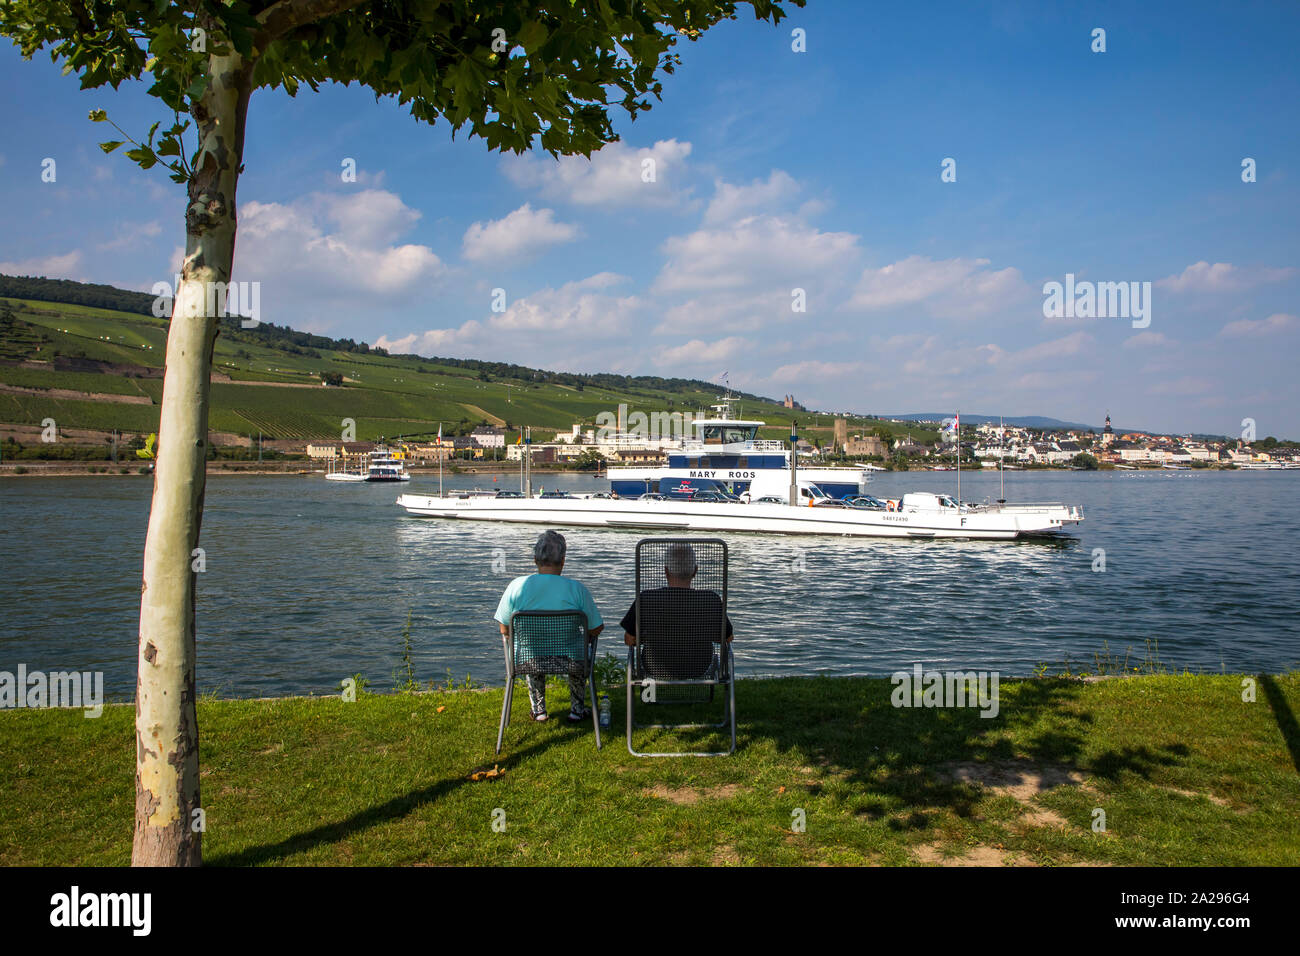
(143,157)
(98,116)
(111,145)
(531,36)
(195,90)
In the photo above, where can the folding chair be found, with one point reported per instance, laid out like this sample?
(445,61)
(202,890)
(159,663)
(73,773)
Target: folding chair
(681,653)
(548,642)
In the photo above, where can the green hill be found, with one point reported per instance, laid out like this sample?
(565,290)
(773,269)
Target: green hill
(87,364)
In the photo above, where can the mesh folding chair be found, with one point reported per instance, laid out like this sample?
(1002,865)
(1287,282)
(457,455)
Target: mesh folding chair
(548,642)
(681,654)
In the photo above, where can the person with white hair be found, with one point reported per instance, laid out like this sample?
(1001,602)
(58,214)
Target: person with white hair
(684,621)
(549,590)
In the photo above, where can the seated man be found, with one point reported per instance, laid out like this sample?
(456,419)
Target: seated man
(547,590)
(681,623)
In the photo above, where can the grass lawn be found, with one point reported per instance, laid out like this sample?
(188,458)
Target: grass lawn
(1184,770)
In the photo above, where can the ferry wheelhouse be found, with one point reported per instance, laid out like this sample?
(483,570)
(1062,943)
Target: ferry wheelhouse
(725,454)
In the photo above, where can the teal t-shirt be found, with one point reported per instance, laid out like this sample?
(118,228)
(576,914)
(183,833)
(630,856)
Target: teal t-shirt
(547,592)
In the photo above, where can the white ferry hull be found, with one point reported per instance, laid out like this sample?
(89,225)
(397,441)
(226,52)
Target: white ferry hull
(846,480)
(1007,522)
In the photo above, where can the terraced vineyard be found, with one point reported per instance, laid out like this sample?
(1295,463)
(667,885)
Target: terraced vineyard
(384,395)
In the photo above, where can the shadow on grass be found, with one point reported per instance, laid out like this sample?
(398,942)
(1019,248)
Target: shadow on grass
(1286,722)
(389,810)
(890,755)
(887,756)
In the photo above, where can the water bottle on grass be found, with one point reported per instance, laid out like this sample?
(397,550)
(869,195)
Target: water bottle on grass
(604,710)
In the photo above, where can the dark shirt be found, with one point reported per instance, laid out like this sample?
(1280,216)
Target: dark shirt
(681,626)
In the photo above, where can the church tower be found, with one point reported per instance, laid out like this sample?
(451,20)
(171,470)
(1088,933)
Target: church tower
(1107,433)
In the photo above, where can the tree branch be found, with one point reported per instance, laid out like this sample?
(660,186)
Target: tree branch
(279,18)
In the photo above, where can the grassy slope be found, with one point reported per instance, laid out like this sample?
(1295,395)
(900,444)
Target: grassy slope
(1186,772)
(385,395)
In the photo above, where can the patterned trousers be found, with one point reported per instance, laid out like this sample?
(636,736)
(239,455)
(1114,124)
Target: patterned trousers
(537,693)
(537,689)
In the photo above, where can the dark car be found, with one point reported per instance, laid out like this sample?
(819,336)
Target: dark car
(866,502)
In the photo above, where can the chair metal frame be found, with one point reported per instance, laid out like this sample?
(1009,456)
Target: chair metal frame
(724,664)
(511,647)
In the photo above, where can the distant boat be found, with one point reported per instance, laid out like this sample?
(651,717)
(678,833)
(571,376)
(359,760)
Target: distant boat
(381,466)
(384,467)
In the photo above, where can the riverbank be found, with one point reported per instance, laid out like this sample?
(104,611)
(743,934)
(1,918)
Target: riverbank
(82,469)
(827,772)
(37,467)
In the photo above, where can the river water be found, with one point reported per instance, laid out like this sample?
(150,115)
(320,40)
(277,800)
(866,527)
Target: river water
(308,581)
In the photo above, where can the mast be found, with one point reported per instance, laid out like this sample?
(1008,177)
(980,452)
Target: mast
(528,460)
(1002,462)
(794,455)
(956,429)
(439,454)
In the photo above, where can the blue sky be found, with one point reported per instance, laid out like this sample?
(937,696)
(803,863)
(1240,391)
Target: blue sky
(777,170)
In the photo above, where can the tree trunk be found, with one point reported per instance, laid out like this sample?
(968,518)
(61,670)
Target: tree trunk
(167,831)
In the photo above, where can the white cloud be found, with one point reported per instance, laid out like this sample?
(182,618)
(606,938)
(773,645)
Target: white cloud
(813,370)
(1221,277)
(961,287)
(1147,340)
(539,328)
(698,352)
(517,236)
(128,235)
(614,176)
(940,356)
(372,217)
(53,267)
(469,335)
(1248,328)
(583,306)
(326,244)
(734,202)
(1186,385)
(758,251)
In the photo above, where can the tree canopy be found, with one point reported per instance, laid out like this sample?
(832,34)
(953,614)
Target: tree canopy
(516,73)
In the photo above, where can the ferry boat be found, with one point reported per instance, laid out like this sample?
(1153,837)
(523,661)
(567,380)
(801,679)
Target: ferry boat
(726,452)
(380,466)
(766,508)
(385,467)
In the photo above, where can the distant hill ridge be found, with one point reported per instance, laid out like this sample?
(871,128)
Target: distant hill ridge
(1036,422)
